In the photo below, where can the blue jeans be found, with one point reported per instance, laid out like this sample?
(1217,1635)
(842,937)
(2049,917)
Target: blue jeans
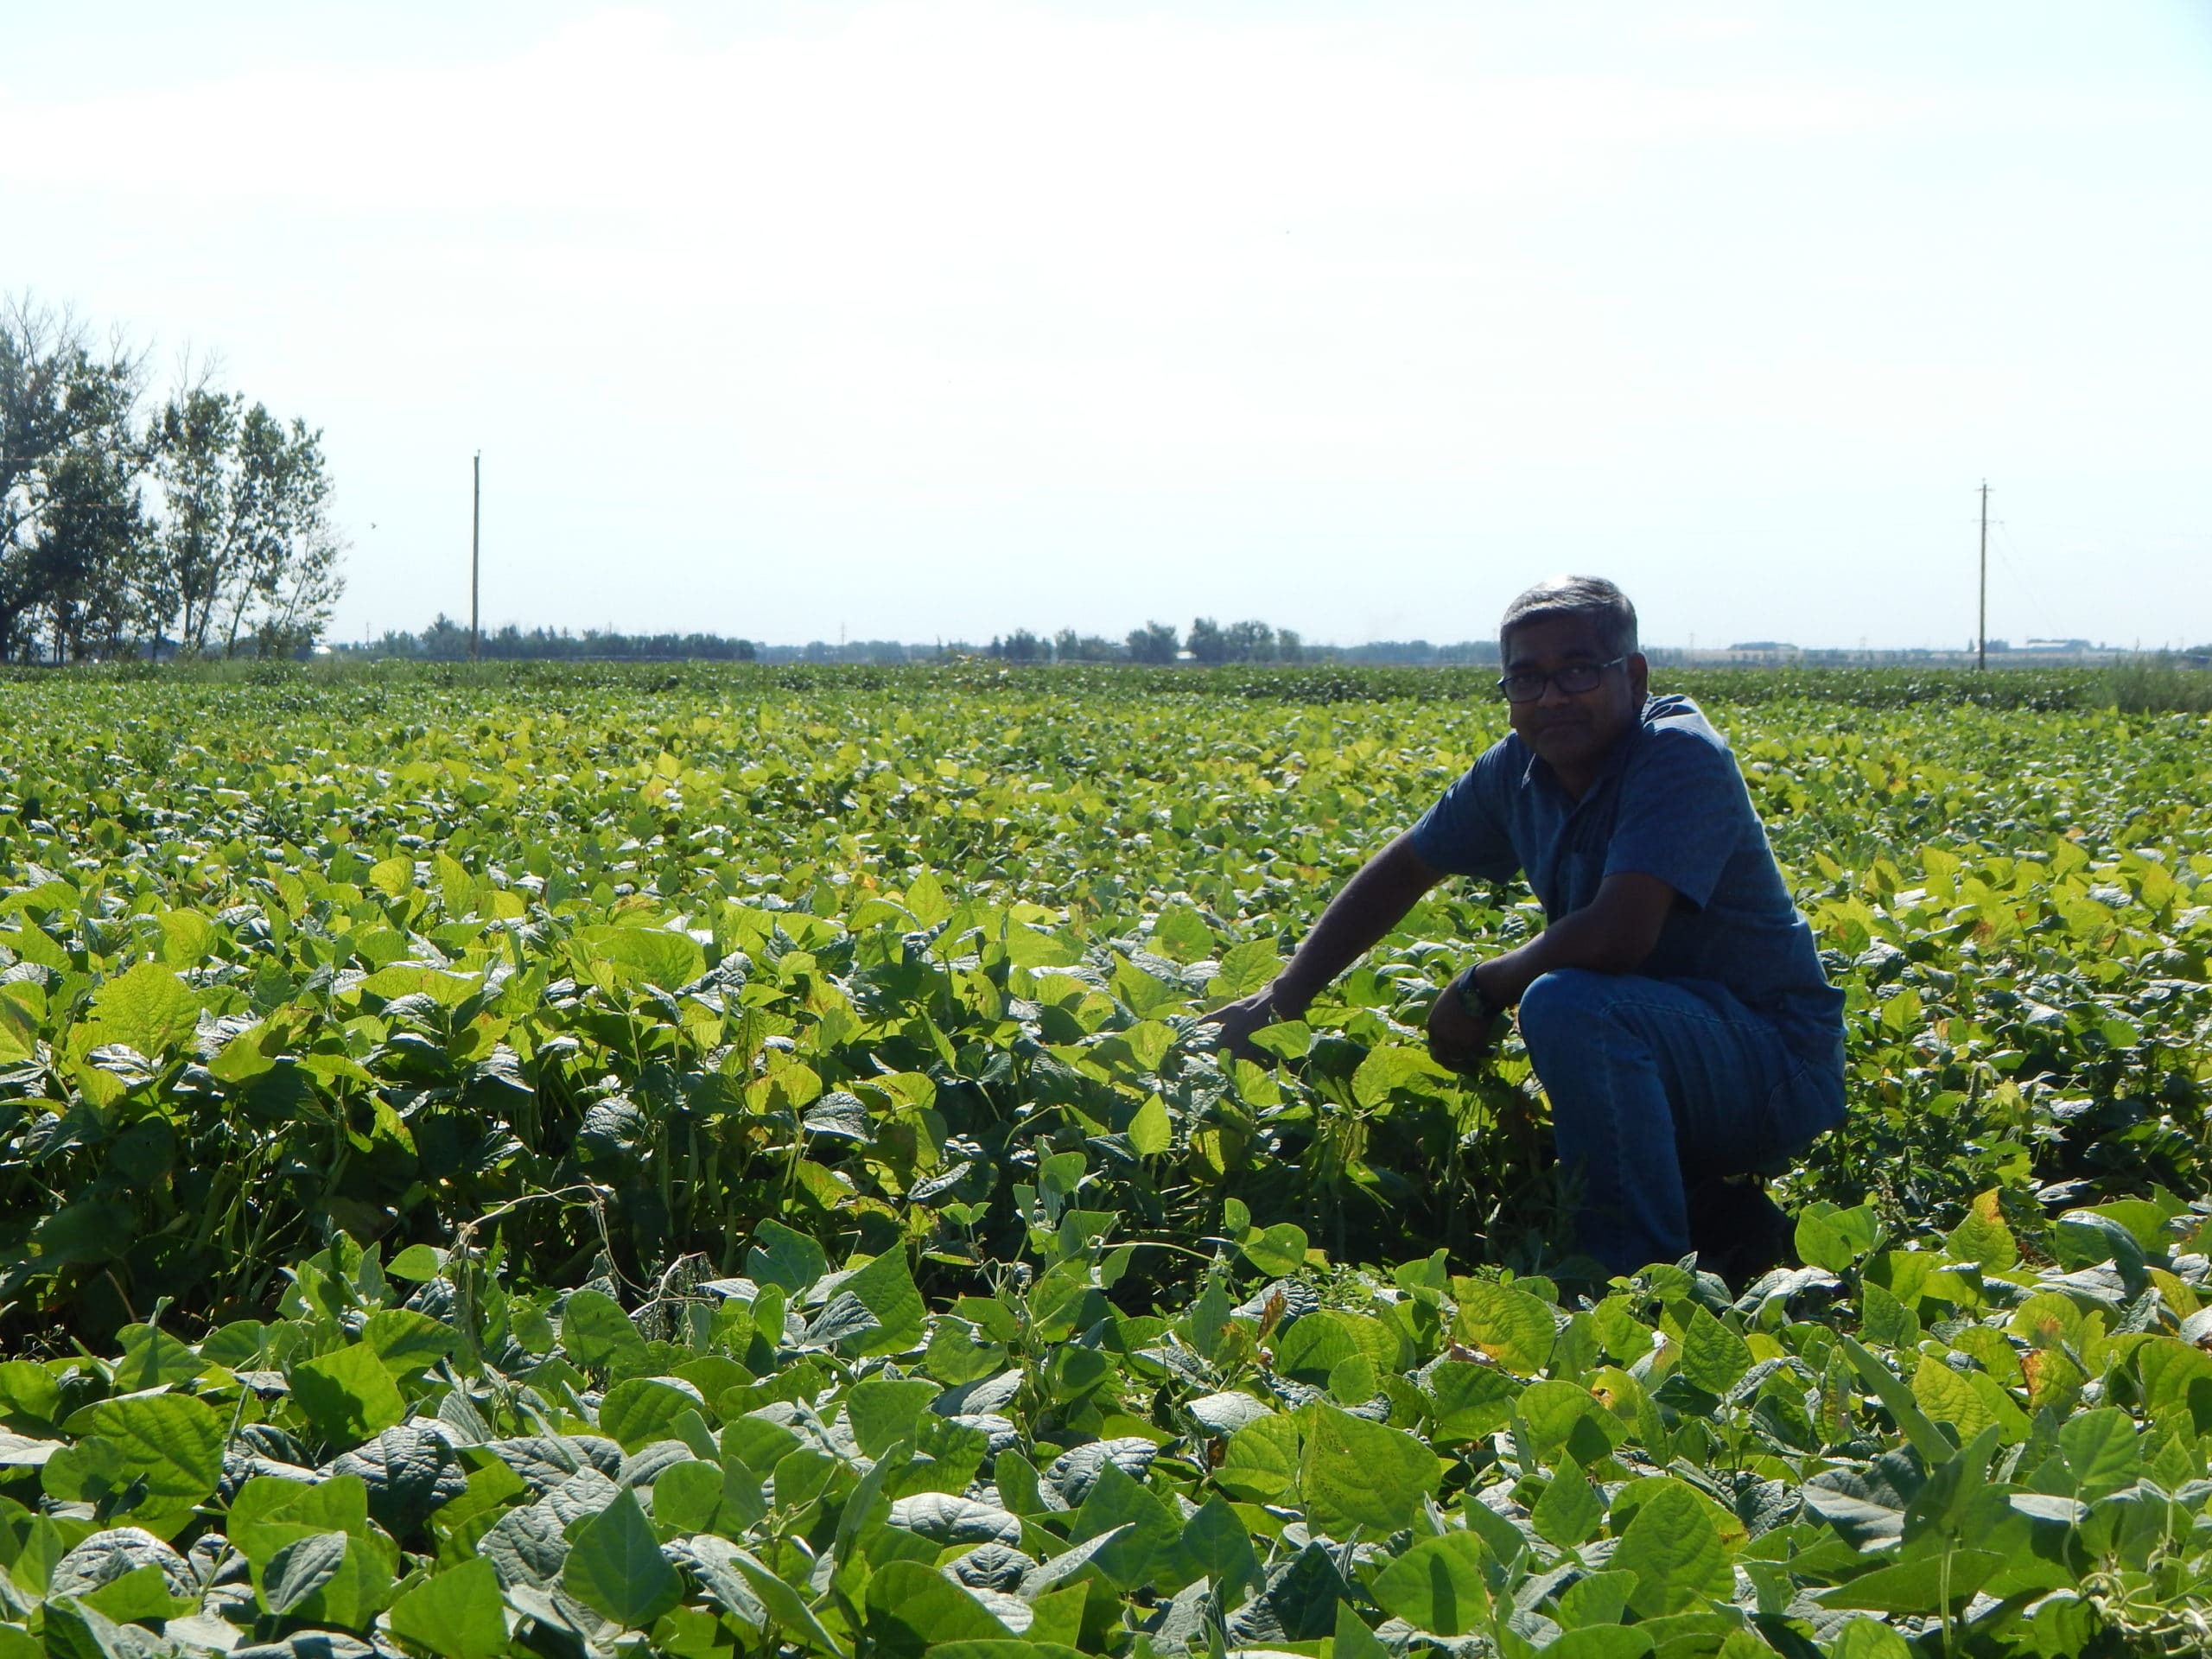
(1655,1084)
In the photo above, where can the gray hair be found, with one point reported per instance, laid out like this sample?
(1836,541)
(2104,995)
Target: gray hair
(1589,597)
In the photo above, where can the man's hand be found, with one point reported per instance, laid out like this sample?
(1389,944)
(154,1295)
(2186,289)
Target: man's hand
(1456,1040)
(1236,1022)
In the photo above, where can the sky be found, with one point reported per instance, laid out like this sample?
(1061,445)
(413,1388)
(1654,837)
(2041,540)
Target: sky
(920,321)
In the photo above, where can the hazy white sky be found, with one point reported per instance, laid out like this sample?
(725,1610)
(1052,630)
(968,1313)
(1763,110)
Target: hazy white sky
(941,319)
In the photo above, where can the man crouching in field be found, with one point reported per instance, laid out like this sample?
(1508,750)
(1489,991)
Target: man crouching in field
(1674,1006)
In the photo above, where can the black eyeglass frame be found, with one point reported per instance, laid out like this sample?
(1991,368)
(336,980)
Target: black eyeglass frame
(1559,676)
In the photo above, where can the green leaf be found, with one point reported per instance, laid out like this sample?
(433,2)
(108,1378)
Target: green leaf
(2101,1451)
(1245,968)
(1279,1249)
(910,1608)
(639,1410)
(1596,1599)
(643,956)
(1671,1546)
(458,1613)
(1438,1584)
(1511,1326)
(788,1609)
(688,1495)
(1983,1237)
(1151,1132)
(1834,1238)
(1260,1463)
(1566,1417)
(883,1410)
(1149,1531)
(172,1445)
(1569,1512)
(406,1341)
(1216,1544)
(885,1289)
(1602,1641)
(1181,934)
(152,1357)
(594,1330)
(148,1008)
(347,1394)
(1353,1639)
(417,1263)
(1713,1357)
(1473,1401)
(1927,1439)
(1917,1584)
(1867,1638)
(615,1566)
(1354,1473)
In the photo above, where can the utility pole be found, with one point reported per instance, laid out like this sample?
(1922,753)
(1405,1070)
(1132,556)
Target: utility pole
(1982,625)
(475,547)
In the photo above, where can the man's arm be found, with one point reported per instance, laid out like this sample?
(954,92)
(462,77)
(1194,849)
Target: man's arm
(1372,902)
(1611,934)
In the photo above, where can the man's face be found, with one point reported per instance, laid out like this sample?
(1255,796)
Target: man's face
(1574,732)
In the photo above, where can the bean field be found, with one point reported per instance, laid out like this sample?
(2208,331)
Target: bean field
(591,1162)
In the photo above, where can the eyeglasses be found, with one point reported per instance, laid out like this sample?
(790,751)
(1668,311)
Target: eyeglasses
(1573,680)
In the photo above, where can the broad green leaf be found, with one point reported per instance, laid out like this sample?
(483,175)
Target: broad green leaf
(1672,1547)
(1148,1530)
(1438,1584)
(1835,1239)
(1917,1584)
(1279,1249)
(1983,1237)
(643,956)
(347,1394)
(1713,1357)
(456,1613)
(1511,1326)
(911,1607)
(595,1330)
(147,1008)
(1260,1462)
(615,1566)
(1151,1132)
(406,1341)
(639,1410)
(1356,1473)
(887,1289)
(172,1446)
(1569,1511)
(1471,1402)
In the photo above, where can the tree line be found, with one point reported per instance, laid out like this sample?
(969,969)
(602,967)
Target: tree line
(1207,642)
(197,524)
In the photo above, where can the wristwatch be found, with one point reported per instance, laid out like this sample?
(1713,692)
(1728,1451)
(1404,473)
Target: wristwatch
(1477,1002)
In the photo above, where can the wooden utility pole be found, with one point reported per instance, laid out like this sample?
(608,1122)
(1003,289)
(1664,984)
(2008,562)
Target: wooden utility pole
(1981,623)
(475,548)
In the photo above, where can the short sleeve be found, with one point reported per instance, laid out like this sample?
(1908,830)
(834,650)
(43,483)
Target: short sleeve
(1683,814)
(1465,833)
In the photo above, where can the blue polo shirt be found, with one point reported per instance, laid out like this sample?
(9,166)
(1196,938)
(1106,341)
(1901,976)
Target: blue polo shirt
(1670,803)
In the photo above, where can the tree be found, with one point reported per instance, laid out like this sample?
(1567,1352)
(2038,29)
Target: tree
(246,551)
(1153,643)
(1249,642)
(62,406)
(1288,645)
(1019,646)
(1207,642)
(90,540)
